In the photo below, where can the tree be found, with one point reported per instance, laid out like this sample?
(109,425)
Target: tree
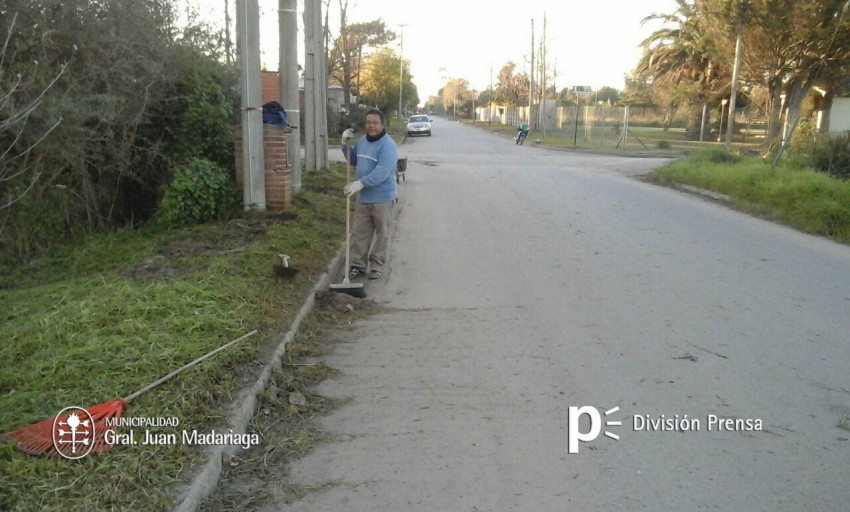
(380,85)
(608,95)
(789,47)
(792,45)
(683,59)
(21,97)
(511,88)
(346,53)
(434,103)
(134,93)
(455,95)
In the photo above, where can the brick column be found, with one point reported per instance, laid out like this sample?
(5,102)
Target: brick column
(277,170)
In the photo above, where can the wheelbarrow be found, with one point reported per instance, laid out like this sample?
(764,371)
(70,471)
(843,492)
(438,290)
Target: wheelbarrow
(401,169)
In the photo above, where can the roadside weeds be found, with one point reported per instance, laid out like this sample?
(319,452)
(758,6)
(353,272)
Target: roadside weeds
(89,323)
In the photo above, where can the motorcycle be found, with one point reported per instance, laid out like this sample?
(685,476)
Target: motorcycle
(520,137)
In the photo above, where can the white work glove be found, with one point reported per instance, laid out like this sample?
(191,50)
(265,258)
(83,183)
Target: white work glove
(352,188)
(347,135)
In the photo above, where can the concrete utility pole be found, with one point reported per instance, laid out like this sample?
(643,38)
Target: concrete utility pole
(227,50)
(490,104)
(731,122)
(315,89)
(253,164)
(401,74)
(288,79)
(541,112)
(531,79)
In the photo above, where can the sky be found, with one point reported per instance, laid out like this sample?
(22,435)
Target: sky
(589,42)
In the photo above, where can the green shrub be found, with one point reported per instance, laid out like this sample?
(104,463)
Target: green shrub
(715,156)
(832,156)
(804,139)
(344,120)
(200,191)
(206,130)
(663,144)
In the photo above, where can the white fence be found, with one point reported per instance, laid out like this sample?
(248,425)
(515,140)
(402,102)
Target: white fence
(555,117)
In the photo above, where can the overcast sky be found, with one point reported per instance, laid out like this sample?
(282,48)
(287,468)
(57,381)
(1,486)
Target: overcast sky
(590,42)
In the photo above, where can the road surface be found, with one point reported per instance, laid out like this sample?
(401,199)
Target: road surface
(524,282)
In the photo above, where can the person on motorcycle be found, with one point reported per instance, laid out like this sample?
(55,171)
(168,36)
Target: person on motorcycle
(522,132)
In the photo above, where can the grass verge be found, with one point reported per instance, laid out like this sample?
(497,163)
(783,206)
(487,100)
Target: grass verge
(98,320)
(810,201)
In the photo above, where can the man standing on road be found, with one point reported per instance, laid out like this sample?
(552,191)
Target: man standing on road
(375,157)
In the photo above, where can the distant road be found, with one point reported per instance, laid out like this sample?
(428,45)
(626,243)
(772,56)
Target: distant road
(526,281)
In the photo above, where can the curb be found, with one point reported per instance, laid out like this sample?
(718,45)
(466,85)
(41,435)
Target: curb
(723,198)
(205,482)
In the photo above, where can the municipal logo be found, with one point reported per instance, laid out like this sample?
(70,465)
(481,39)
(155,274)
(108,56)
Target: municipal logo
(73,432)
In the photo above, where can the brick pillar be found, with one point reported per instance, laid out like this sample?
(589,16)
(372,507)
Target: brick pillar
(277,170)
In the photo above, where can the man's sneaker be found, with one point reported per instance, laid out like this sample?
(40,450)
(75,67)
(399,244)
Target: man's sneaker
(355,272)
(375,274)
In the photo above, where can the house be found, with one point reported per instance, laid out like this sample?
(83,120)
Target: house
(839,116)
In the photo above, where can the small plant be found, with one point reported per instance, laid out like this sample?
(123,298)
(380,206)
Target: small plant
(664,144)
(200,191)
(715,156)
(843,424)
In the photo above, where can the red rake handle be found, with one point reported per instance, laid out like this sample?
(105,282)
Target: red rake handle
(187,366)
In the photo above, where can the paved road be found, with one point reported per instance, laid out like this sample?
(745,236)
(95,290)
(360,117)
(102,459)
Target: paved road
(524,282)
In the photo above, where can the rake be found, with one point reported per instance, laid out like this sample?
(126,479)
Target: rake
(38,438)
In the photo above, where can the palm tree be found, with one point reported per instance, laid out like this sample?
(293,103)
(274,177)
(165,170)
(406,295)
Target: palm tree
(680,61)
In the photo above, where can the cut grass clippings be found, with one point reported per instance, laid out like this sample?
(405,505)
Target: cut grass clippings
(88,323)
(807,200)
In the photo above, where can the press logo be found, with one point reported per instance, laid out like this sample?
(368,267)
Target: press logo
(574,432)
(73,432)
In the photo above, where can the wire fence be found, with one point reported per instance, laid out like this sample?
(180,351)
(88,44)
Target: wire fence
(605,125)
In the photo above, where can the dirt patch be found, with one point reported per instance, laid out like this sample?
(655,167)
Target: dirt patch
(334,303)
(237,234)
(235,237)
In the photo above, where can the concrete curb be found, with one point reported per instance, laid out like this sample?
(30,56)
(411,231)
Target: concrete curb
(703,192)
(206,480)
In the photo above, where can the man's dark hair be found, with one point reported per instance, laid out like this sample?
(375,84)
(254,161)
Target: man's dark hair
(378,113)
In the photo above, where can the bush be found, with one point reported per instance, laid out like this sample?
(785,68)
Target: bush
(715,156)
(804,139)
(356,117)
(200,191)
(663,144)
(206,130)
(832,156)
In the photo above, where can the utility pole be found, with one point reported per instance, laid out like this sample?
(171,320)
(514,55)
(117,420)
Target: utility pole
(315,89)
(541,113)
(227,50)
(732,98)
(490,105)
(288,84)
(531,77)
(253,164)
(401,74)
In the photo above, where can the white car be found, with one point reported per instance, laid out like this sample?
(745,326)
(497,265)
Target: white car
(418,125)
